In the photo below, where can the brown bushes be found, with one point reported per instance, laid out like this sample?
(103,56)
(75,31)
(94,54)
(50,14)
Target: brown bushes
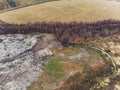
(66,32)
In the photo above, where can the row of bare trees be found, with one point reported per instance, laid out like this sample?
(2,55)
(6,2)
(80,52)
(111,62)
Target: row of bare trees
(66,32)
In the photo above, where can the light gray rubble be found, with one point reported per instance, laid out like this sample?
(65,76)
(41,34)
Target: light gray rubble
(19,64)
(13,45)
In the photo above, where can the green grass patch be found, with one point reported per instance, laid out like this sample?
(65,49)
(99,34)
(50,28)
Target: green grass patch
(85,67)
(54,70)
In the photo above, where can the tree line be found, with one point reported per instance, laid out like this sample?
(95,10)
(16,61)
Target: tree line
(71,32)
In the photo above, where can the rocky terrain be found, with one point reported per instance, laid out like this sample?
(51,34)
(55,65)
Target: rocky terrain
(40,62)
(19,63)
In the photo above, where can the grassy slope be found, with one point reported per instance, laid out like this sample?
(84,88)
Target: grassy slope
(65,11)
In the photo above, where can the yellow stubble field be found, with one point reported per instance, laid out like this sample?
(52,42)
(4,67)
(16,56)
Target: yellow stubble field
(65,11)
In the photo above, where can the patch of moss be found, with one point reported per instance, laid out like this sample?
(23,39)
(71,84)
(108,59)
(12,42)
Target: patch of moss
(54,70)
(85,67)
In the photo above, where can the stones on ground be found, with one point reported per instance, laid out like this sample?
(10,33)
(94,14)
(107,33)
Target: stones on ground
(45,52)
(21,70)
(40,54)
(19,73)
(13,45)
(47,40)
(19,64)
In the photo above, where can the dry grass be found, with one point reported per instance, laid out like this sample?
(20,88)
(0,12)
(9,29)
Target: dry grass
(65,11)
(60,67)
(24,2)
(27,2)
